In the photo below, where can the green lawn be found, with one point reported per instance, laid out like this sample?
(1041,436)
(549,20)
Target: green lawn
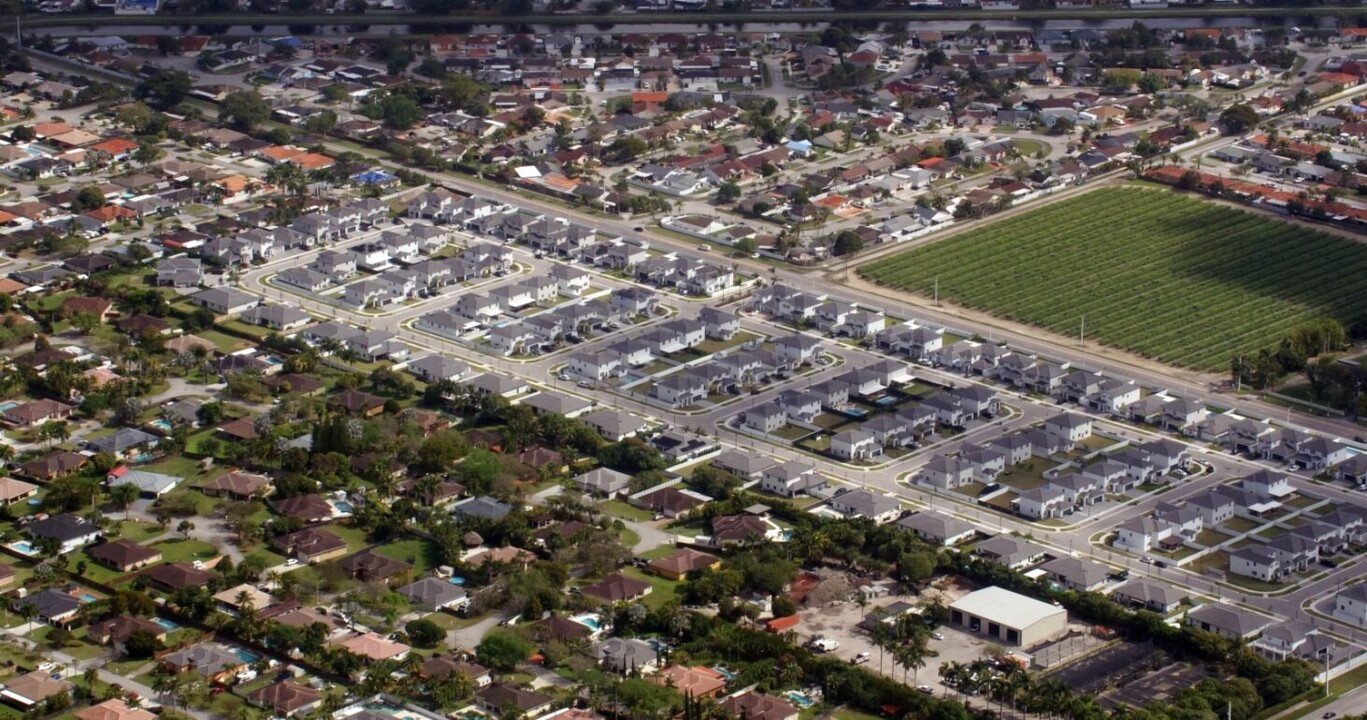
(1025,476)
(355,537)
(1239,525)
(182,550)
(662,590)
(1211,538)
(1184,281)
(623,510)
(224,342)
(422,554)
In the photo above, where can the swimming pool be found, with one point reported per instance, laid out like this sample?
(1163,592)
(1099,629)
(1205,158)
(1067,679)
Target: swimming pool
(8,406)
(166,624)
(342,506)
(724,672)
(86,598)
(144,457)
(23,547)
(800,700)
(456,580)
(162,425)
(245,655)
(589,620)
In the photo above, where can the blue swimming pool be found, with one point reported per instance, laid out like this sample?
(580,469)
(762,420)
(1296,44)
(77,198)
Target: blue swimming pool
(590,621)
(86,598)
(162,425)
(144,457)
(800,700)
(342,506)
(166,624)
(23,547)
(246,656)
(456,580)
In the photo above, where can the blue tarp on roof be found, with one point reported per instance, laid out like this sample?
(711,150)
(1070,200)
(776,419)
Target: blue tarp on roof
(288,41)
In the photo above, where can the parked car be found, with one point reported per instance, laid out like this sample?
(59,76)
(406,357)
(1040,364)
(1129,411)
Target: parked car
(861,658)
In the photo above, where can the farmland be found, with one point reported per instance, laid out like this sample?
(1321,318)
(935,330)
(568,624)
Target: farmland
(1180,280)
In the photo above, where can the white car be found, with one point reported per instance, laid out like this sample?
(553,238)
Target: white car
(824,645)
(291,562)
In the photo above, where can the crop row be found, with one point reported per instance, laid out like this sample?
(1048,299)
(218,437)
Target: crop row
(1170,277)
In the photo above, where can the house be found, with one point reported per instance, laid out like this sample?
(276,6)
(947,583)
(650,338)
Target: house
(1071,427)
(214,663)
(797,349)
(311,545)
(857,444)
(1075,573)
(149,484)
(1012,552)
(1149,595)
(617,588)
(1350,604)
(68,531)
(371,566)
(170,577)
(432,594)
(124,555)
(115,709)
(628,656)
(744,528)
(31,689)
(482,506)
(287,698)
(374,647)
(677,565)
(1045,501)
(1228,621)
(947,472)
(14,491)
(309,509)
(696,682)
(603,482)
(500,698)
(938,528)
(791,478)
(37,412)
(671,502)
(224,301)
(747,466)
(753,705)
(239,486)
(864,504)
(614,425)
(51,606)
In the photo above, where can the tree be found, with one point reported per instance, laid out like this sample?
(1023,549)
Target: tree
(243,110)
(90,197)
(141,644)
(783,606)
(424,633)
(502,650)
(147,153)
(400,112)
(846,243)
(165,89)
(624,150)
(123,495)
(184,528)
(1238,119)
(728,192)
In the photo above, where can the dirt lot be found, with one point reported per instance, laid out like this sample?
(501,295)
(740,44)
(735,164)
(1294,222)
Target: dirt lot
(840,623)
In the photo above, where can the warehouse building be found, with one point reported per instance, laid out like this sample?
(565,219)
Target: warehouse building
(1010,617)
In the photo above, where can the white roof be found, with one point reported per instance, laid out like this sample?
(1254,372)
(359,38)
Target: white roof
(1002,606)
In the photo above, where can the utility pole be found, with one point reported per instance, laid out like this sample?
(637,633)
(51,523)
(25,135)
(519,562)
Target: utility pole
(1082,332)
(937,291)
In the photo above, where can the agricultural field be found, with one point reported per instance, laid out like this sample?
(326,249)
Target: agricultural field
(1180,280)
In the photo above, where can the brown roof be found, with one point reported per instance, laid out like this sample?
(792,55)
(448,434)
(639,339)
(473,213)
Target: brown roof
(310,542)
(370,566)
(56,464)
(757,706)
(354,401)
(738,528)
(684,561)
(241,428)
(178,575)
(614,588)
(114,709)
(123,553)
(694,682)
(559,629)
(36,686)
(539,457)
(285,696)
(298,382)
(438,666)
(137,324)
(670,499)
(93,305)
(120,628)
(309,508)
(239,483)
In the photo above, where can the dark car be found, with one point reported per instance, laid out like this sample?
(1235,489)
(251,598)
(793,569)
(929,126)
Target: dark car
(1159,564)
